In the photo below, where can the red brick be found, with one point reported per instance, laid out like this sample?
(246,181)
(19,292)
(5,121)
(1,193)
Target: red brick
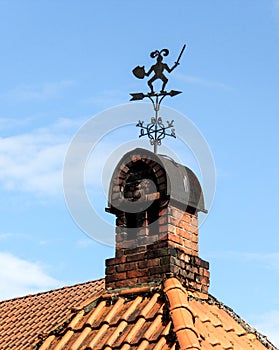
(162,220)
(163,237)
(153,262)
(173,221)
(163,228)
(115,261)
(175,239)
(175,269)
(162,243)
(119,252)
(183,233)
(187,218)
(124,170)
(196,232)
(136,257)
(160,172)
(126,244)
(120,237)
(206,273)
(122,174)
(165,260)
(156,167)
(110,270)
(126,267)
(204,289)
(143,231)
(148,240)
(193,246)
(125,283)
(136,273)
(194,221)
(135,158)
(142,264)
(184,257)
(159,269)
(120,275)
(134,250)
(184,249)
(117,181)
(155,253)
(176,213)
(110,278)
(194,238)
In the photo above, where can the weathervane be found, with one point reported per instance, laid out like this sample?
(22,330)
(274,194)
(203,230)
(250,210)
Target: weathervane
(156,130)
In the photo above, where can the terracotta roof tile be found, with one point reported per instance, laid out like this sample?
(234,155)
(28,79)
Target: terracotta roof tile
(23,321)
(118,323)
(157,318)
(182,316)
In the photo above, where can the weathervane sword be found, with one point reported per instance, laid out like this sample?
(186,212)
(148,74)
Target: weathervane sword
(183,48)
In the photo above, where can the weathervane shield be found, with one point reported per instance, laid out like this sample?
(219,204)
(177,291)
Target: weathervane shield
(139,72)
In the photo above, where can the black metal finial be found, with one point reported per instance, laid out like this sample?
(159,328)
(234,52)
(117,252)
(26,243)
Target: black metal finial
(156,130)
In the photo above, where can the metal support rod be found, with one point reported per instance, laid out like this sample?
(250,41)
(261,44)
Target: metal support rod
(157,107)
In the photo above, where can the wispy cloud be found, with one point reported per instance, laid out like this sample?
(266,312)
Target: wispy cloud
(6,235)
(201,81)
(44,91)
(7,124)
(33,161)
(20,277)
(30,164)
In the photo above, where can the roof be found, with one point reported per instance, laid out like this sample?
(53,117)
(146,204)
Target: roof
(24,320)
(86,316)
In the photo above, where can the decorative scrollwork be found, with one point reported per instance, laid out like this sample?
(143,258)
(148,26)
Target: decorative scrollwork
(156,130)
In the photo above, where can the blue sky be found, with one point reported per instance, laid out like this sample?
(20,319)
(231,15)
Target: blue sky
(64,62)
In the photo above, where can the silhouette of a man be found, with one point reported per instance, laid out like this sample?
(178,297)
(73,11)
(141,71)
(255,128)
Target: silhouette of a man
(158,69)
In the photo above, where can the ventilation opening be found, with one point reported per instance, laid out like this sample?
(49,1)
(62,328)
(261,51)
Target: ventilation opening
(140,183)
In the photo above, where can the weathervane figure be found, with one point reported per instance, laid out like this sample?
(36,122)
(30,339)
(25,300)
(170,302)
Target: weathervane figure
(156,130)
(158,69)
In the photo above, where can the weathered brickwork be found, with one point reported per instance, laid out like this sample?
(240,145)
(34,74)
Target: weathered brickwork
(156,203)
(178,227)
(174,252)
(154,263)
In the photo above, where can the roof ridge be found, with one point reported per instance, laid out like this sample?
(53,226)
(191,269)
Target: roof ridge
(181,314)
(248,328)
(130,291)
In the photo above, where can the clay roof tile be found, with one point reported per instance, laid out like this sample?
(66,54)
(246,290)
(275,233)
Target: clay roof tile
(87,317)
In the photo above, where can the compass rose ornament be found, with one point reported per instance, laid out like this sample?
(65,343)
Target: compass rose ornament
(156,129)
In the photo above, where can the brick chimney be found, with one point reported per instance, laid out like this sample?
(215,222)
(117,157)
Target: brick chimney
(156,203)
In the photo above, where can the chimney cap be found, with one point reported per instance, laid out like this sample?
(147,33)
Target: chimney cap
(182,185)
(185,187)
